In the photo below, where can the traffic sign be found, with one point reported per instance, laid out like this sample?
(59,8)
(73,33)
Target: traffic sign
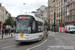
(58,25)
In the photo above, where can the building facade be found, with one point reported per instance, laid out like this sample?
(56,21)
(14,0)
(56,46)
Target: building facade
(3,13)
(51,11)
(70,12)
(62,17)
(42,12)
(59,10)
(45,14)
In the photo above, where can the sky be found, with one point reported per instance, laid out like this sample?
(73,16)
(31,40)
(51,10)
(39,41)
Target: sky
(14,7)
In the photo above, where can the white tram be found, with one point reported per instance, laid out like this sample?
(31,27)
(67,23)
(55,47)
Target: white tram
(29,28)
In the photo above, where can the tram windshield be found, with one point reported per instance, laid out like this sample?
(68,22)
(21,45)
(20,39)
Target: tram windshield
(23,26)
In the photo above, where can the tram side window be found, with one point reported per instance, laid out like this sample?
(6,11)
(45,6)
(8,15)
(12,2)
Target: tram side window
(37,27)
(40,26)
(33,27)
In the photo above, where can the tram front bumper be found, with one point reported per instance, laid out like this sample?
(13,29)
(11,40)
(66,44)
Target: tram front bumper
(23,40)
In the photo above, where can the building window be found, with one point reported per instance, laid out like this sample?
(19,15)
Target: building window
(1,12)
(1,18)
(59,3)
(68,18)
(70,12)
(73,12)
(73,17)
(67,6)
(59,9)
(59,14)
(74,5)
(65,19)
(68,0)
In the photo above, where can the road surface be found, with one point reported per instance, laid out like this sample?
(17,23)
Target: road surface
(55,41)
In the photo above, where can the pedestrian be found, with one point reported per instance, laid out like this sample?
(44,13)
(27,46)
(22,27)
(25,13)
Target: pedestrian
(9,31)
(3,31)
(1,25)
(6,31)
(46,32)
(0,31)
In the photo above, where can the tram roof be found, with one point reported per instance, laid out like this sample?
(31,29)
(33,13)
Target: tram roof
(36,18)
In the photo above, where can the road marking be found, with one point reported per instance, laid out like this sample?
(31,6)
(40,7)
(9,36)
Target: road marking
(7,46)
(37,45)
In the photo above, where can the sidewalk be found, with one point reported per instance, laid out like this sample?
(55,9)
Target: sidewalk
(58,32)
(7,36)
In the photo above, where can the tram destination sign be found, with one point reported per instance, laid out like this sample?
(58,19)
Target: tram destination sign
(20,17)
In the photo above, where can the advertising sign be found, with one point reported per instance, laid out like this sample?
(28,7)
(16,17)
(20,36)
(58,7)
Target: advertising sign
(68,11)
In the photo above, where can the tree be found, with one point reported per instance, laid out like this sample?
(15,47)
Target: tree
(9,21)
(46,23)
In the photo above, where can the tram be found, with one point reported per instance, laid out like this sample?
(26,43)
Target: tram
(29,28)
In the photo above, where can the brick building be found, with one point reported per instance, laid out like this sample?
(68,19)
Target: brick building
(61,12)
(70,18)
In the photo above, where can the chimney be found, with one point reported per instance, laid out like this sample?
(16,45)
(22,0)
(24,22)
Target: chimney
(0,4)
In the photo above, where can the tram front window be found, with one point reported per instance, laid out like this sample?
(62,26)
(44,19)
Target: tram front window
(23,26)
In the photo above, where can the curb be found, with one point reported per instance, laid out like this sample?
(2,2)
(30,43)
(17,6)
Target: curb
(7,38)
(59,32)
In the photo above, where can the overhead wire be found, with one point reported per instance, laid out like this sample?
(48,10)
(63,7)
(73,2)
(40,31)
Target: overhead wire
(38,3)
